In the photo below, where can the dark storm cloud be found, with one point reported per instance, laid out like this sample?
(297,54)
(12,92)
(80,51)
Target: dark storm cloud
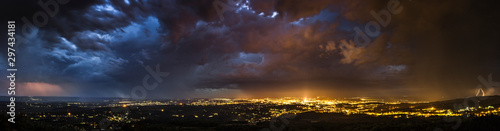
(274,46)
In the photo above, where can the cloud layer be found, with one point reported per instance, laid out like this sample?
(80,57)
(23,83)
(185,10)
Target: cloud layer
(262,48)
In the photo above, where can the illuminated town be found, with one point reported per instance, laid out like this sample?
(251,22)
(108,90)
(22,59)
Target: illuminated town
(126,113)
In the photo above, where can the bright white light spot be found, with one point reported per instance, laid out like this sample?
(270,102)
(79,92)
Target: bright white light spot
(69,44)
(244,5)
(105,37)
(274,14)
(127,2)
(106,8)
(297,22)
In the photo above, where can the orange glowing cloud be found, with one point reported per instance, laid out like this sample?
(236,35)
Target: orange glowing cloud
(40,89)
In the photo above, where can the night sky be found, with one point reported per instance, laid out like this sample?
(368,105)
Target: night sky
(258,48)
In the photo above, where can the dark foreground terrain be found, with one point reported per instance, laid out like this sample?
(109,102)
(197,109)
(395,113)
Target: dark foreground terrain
(306,121)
